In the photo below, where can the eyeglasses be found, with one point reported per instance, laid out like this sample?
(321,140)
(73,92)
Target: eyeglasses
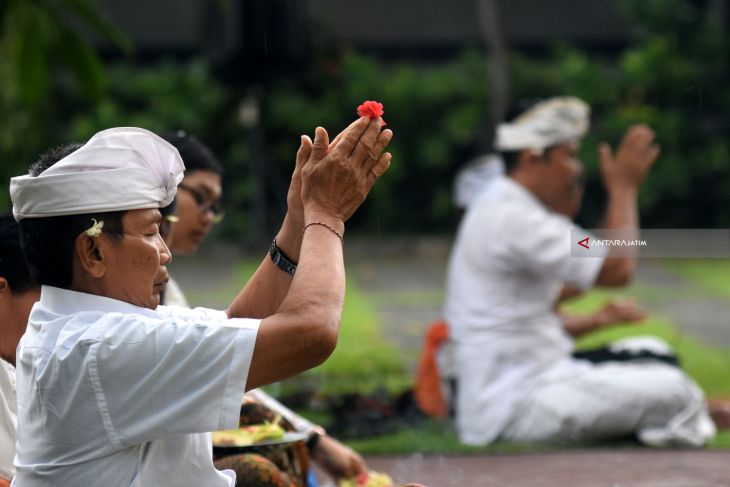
(204,203)
(166,225)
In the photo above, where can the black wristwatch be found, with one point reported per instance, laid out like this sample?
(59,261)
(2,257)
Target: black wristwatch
(280,259)
(313,440)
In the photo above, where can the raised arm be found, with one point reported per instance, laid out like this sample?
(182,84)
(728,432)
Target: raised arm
(267,288)
(623,175)
(303,331)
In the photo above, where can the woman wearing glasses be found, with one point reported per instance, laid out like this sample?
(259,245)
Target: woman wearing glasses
(199,194)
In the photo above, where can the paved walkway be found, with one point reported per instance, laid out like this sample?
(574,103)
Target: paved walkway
(591,468)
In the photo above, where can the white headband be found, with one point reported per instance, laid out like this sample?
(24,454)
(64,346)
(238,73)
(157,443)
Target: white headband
(551,122)
(124,168)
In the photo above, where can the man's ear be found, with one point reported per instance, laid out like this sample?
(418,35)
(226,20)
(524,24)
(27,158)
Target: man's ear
(91,252)
(4,286)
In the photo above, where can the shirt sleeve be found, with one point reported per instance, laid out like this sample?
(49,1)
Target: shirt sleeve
(185,373)
(540,242)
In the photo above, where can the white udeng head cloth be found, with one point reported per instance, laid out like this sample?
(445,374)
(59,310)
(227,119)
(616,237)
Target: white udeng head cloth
(553,121)
(124,168)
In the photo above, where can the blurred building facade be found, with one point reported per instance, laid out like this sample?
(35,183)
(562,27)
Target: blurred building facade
(252,39)
(280,29)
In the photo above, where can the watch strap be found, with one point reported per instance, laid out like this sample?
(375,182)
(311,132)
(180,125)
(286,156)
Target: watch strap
(281,260)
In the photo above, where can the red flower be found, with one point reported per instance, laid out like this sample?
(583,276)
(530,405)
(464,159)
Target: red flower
(371,109)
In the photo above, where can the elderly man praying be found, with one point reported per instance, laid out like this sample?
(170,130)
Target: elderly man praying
(114,390)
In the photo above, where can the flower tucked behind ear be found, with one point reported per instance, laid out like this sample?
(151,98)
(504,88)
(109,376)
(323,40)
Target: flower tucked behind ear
(372,109)
(95,229)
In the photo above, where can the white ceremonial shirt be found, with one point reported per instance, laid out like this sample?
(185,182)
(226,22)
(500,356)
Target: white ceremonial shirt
(111,394)
(8,419)
(174,296)
(508,264)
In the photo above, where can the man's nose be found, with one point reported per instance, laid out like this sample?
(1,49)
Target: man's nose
(165,254)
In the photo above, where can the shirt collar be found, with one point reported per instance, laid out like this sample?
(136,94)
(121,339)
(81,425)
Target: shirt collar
(7,366)
(521,192)
(66,302)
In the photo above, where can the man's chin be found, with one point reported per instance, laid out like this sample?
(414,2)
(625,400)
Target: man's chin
(156,297)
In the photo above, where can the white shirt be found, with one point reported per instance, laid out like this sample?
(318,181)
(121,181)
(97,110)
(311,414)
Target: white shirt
(508,264)
(111,394)
(174,296)
(8,419)
(475,177)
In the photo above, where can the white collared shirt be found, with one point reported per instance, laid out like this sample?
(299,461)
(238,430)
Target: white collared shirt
(508,264)
(174,296)
(8,419)
(111,394)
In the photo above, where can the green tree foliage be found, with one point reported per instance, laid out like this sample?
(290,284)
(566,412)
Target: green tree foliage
(46,60)
(169,97)
(40,36)
(673,77)
(434,111)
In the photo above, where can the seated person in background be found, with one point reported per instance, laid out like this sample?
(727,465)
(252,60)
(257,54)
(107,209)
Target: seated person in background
(113,388)
(435,387)
(197,208)
(18,293)
(516,377)
(477,176)
(614,312)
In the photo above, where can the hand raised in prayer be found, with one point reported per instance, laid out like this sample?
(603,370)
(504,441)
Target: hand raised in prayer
(294,196)
(632,161)
(336,179)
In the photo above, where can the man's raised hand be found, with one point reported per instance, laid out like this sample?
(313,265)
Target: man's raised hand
(338,177)
(632,161)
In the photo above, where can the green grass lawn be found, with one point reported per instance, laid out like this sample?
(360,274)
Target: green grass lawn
(711,275)
(364,361)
